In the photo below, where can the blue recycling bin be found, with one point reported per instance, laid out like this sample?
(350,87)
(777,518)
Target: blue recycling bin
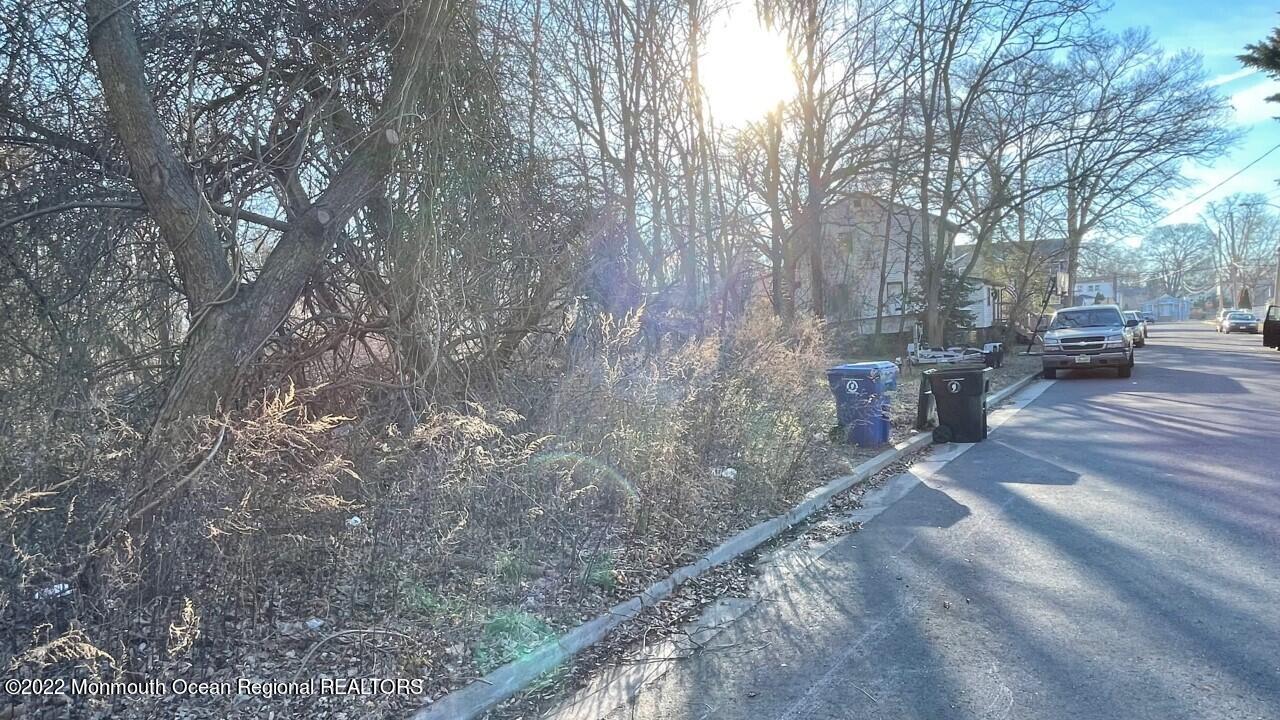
(862,400)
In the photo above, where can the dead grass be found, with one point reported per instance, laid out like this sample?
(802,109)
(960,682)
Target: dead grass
(451,546)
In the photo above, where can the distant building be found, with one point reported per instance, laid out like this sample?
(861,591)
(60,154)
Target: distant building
(1098,292)
(1168,309)
(1135,297)
(1261,297)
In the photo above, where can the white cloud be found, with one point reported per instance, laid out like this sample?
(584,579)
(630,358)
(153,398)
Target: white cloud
(1231,77)
(1251,103)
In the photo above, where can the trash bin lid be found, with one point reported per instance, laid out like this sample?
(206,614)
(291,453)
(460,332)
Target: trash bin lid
(958,371)
(965,380)
(876,370)
(865,369)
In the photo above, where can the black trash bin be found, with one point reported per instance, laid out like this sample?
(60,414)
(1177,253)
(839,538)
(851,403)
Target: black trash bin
(960,394)
(993,354)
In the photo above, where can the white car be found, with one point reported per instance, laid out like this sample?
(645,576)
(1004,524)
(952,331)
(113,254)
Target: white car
(1241,322)
(1140,331)
(1222,317)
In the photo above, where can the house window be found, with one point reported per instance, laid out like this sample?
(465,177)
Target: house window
(838,300)
(845,240)
(893,298)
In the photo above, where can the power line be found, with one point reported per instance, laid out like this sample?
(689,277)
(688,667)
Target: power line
(1229,178)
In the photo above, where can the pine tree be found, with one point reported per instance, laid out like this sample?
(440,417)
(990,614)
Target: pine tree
(1264,56)
(955,295)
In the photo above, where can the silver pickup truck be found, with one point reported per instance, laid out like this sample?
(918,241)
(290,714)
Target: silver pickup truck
(1089,336)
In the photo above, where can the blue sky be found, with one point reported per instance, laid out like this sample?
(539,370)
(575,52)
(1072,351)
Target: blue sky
(1219,31)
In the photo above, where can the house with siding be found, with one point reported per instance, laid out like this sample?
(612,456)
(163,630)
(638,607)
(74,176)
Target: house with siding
(873,252)
(1168,308)
(1098,291)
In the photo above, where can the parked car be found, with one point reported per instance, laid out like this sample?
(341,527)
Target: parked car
(1139,332)
(1222,317)
(1271,327)
(1089,336)
(1241,322)
(1149,317)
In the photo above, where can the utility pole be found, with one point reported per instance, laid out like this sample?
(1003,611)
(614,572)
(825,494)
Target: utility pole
(1275,291)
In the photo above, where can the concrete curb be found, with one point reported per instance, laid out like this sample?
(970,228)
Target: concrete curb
(1005,393)
(484,694)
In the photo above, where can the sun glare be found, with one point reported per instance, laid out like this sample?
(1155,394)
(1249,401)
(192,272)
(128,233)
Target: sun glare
(746,70)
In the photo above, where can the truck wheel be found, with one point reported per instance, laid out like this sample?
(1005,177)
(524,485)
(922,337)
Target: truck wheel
(1127,370)
(1050,373)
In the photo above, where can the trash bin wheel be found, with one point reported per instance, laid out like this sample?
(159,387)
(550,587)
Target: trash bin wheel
(942,434)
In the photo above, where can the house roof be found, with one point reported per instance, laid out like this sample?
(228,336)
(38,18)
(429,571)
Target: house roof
(858,194)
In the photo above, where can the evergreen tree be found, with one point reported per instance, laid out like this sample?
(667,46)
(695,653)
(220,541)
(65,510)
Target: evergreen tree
(955,297)
(1264,56)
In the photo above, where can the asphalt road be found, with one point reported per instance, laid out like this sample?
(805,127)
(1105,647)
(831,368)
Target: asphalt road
(1111,551)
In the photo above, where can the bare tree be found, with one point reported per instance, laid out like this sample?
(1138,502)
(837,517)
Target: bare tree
(1178,257)
(963,54)
(847,59)
(1244,233)
(231,318)
(1139,116)
(1028,247)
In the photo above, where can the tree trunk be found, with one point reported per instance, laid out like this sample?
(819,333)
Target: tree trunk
(232,321)
(906,279)
(894,177)
(817,272)
(1074,238)
(884,273)
(780,270)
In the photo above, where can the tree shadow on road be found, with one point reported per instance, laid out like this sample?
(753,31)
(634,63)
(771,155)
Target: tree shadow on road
(1007,464)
